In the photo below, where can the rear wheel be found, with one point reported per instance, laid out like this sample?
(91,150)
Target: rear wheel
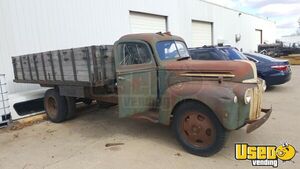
(55,106)
(71,105)
(197,129)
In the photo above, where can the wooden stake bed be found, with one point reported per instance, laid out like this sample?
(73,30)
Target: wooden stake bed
(91,66)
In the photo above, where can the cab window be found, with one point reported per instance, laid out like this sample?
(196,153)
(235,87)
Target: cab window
(131,53)
(171,49)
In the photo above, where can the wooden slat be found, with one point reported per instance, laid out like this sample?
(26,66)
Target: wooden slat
(35,66)
(44,68)
(29,66)
(73,64)
(14,61)
(52,66)
(60,66)
(102,63)
(21,61)
(88,63)
(94,58)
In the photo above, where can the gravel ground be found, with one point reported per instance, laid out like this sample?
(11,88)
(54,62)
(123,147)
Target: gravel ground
(81,143)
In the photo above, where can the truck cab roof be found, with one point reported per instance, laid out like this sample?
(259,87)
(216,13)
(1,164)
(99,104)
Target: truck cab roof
(151,38)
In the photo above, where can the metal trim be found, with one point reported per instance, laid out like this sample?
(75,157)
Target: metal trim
(207,75)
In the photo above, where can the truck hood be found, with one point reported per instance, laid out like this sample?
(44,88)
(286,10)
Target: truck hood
(238,71)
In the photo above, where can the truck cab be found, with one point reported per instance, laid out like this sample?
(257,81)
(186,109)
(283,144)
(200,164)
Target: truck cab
(202,100)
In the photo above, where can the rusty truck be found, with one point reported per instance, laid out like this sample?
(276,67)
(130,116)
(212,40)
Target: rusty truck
(151,76)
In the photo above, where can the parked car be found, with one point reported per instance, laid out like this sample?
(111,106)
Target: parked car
(216,53)
(273,71)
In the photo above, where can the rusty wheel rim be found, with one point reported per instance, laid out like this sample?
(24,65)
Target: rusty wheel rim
(198,129)
(51,106)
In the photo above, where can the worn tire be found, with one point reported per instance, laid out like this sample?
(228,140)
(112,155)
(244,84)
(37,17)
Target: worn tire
(71,106)
(214,133)
(55,106)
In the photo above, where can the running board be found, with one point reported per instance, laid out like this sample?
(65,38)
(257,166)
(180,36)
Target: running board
(149,116)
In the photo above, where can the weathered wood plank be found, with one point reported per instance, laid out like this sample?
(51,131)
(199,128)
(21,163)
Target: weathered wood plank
(92,64)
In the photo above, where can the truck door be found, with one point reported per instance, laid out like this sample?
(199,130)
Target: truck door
(136,77)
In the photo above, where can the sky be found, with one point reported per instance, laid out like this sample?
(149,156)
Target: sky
(285,13)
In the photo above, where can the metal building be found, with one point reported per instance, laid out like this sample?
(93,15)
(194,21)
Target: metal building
(30,26)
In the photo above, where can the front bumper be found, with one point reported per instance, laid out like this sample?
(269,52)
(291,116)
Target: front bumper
(254,124)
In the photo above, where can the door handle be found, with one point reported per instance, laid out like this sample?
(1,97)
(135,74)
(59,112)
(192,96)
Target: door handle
(121,78)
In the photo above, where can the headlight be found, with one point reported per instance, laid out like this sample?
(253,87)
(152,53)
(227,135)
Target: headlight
(264,85)
(235,99)
(248,96)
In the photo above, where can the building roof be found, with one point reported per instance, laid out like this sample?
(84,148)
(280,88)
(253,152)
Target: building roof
(260,17)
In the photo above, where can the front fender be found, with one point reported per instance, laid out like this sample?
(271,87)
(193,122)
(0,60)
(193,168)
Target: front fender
(216,96)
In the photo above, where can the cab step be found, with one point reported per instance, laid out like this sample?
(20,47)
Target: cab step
(152,117)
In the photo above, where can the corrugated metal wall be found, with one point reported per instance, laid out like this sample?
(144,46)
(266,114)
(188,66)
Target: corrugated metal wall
(29,26)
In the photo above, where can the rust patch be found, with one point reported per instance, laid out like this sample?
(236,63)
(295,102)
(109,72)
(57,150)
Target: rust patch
(240,70)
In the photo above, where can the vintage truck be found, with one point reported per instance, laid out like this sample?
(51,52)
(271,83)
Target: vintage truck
(151,76)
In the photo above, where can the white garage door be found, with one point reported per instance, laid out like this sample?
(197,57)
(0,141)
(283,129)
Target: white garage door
(258,36)
(147,23)
(201,33)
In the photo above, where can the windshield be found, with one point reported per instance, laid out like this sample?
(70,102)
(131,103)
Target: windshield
(171,49)
(233,54)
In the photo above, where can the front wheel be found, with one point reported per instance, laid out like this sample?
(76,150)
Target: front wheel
(197,129)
